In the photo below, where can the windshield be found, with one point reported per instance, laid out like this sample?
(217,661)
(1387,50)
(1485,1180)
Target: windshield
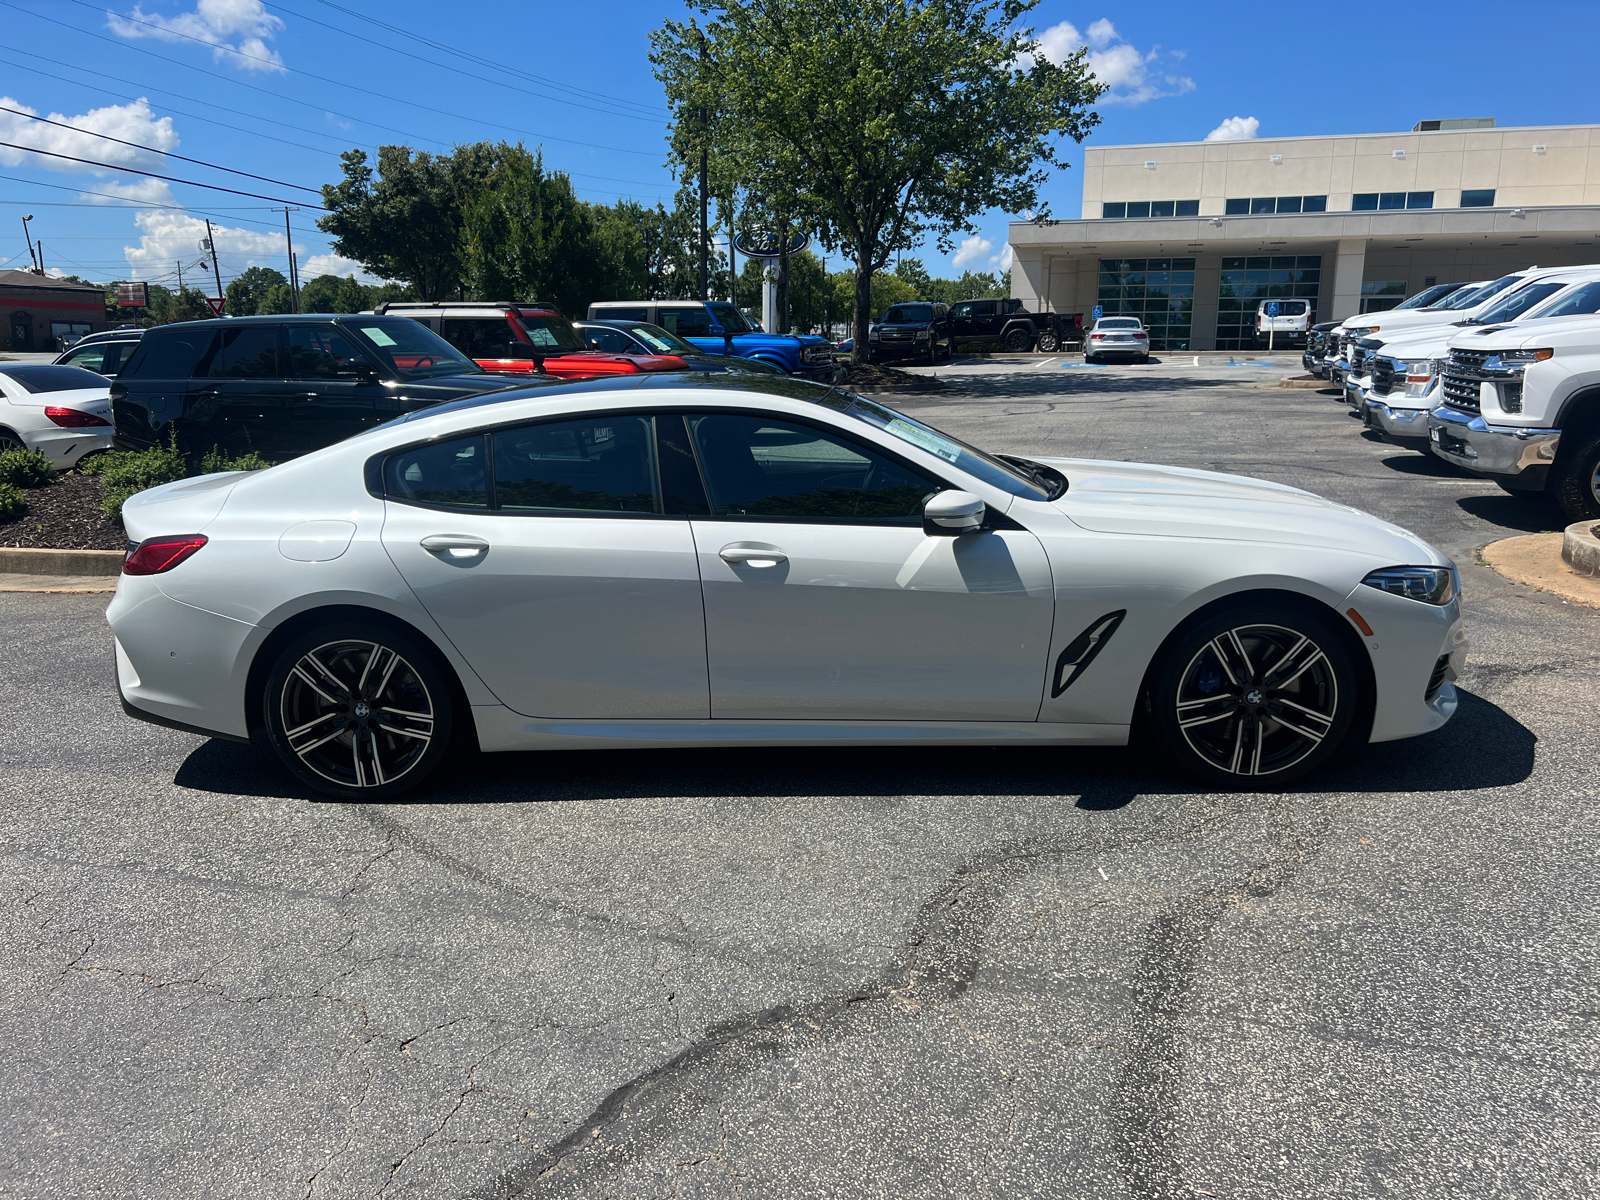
(1582,300)
(409,348)
(1509,308)
(1465,298)
(663,340)
(39,377)
(908,314)
(1486,292)
(551,329)
(731,319)
(1427,296)
(1028,480)
(1117,323)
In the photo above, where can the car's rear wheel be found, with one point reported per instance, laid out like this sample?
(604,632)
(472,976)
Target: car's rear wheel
(1048,343)
(1577,486)
(10,441)
(1018,341)
(1255,696)
(358,711)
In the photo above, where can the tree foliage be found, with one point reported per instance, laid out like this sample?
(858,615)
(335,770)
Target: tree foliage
(879,122)
(249,288)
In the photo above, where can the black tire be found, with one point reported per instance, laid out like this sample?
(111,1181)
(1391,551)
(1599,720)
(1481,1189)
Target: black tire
(933,352)
(1018,341)
(1577,482)
(1090,358)
(1048,343)
(10,441)
(323,683)
(1254,696)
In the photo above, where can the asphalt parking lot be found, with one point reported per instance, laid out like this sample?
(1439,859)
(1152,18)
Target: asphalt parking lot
(863,973)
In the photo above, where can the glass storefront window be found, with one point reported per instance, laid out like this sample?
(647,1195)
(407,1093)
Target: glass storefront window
(1247,281)
(1159,291)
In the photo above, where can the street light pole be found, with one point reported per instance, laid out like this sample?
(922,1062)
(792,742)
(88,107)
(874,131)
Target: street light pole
(29,238)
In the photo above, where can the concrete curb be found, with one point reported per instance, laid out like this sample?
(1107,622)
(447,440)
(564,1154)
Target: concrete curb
(1580,547)
(15,560)
(66,585)
(1534,560)
(1307,382)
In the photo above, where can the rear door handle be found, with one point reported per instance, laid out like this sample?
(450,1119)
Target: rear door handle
(456,546)
(752,554)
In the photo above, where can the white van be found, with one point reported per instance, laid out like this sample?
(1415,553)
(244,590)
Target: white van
(1289,326)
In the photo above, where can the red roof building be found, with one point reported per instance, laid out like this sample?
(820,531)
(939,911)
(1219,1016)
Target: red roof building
(37,312)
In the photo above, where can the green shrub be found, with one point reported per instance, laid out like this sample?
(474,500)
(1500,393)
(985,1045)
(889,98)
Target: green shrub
(215,460)
(26,469)
(127,472)
(12,502)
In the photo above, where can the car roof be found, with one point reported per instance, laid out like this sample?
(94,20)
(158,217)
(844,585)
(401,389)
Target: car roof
(277,319)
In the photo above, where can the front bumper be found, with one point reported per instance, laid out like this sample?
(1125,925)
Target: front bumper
(819,372)
(1417,650)
(1356,390)
(1511,452)
(1401,424)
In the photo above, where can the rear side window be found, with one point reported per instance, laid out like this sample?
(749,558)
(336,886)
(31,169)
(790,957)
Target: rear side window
(595,465)
(479,337)
(687,322)
(453,473)
(249,352)
(170,354)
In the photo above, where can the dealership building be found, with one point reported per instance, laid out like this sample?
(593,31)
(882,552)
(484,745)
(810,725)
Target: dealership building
(1191,236)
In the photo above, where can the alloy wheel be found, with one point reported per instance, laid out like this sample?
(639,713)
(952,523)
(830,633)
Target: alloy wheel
(9,442)
(1257,699)
(356,713)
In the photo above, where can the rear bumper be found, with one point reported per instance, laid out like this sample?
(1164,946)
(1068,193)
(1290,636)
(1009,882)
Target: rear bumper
(64,447)
(1505,451)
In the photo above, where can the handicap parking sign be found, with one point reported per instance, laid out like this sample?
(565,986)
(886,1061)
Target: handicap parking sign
(1099,311)
(1272,308)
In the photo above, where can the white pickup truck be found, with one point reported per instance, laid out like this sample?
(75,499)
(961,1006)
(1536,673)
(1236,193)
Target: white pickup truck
(1338,341)
(1467,302)
(1404,373)
(1522,407)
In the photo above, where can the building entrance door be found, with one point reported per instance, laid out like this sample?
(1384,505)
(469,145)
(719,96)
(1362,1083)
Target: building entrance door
(21,331)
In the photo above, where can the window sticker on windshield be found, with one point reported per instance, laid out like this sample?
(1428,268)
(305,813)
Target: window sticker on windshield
(926,438)
(377,335)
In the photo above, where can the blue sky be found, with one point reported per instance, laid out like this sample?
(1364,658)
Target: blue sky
(279,89)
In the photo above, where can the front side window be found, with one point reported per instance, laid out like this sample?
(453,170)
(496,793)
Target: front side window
(249,352)
(962,310)
(609,340)
(731,319)
(594,465)
(321,352)
(90,358)
(453,473)
(766,468)
(687,322)
(1582,300)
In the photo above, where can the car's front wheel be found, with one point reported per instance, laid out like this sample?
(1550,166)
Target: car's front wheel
(357,711)
(1577,485)
(1255,696)
(1018,341)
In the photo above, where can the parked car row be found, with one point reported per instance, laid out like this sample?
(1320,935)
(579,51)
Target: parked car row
(1499,377)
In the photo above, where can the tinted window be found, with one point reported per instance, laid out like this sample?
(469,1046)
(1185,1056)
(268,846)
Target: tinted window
(451,473)
(1477,198)
(731,319)
(687,322)
(908,314)
(1188,208)
(315,352)
(1114,210)
(1518,302)
(480,337)
(1236,208)
(169,354)
(52,378)
(764,468)
(248,352)
(619,314)
(610,340)
(410,349)
(1583,299)
(963,310)
(598,464)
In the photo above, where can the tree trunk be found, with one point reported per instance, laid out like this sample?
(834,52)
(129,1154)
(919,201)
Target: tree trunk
(863,313)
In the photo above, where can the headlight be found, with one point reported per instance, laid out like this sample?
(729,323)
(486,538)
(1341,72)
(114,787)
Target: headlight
(1421,374)
(1431,585)
(922,335)
(873,333)
(1517,360)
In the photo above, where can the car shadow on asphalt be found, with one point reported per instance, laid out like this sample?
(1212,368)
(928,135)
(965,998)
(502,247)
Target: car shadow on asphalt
(1424,465)
(1047,382)
(1483,747)
(1524,514)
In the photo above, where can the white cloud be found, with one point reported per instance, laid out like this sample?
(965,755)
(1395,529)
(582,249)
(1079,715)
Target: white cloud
(212,22)
(131,122)
(972,250)
(333,264)
(142,191)
(1003,259)
(1133,76)
(1234,129)
(167,238)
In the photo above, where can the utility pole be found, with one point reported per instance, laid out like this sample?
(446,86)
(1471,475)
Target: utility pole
(180,279)
(211,245)
(288,247)
(294,278)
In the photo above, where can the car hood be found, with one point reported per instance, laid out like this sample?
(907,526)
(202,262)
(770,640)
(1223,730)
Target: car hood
(1155,501)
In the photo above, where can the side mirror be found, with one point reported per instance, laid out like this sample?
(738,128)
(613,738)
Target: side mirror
(952,513)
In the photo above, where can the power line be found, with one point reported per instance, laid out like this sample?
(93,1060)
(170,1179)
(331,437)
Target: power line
(323,79)
(123,201)
(613,111)
(170,154)
(648,110)
(135,171)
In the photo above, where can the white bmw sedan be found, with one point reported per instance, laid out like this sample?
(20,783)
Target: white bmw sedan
(63,412)
(733,561)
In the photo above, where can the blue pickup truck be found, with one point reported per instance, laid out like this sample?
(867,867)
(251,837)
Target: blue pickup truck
(720,328)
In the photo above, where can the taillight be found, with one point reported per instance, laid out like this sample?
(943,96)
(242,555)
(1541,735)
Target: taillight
(71,418)
(155,555)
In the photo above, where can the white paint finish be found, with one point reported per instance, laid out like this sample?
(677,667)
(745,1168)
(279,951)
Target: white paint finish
(22,412)
(316,541)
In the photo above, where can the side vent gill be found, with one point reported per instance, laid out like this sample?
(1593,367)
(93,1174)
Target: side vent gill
(1077,656)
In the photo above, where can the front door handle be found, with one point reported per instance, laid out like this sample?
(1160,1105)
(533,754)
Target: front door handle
(458,546)
(752,554)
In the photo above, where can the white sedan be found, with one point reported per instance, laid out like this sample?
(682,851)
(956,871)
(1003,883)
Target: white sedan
(63,412)
(728,561)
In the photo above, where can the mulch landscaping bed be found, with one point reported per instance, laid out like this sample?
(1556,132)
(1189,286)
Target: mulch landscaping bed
(65,515)
(887,379)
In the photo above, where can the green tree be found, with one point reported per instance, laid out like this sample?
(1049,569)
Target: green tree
(877,123)
(405,221)
(278,298)
(319,295)
(351,296)
(247,289)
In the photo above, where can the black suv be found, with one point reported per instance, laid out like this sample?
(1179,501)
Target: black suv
(915,329)
(285,386)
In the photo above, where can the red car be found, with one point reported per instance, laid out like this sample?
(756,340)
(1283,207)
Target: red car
(526,339)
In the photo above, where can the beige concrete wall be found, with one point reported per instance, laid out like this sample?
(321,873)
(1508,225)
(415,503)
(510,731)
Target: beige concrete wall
(1443,162)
